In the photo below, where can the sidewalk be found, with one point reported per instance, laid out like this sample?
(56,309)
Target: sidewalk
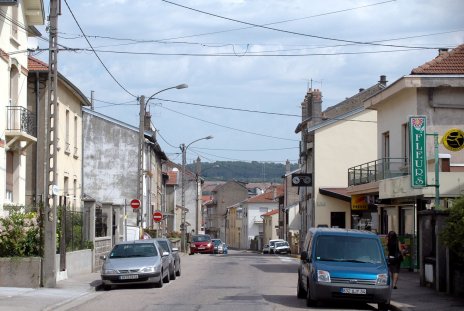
(411,296)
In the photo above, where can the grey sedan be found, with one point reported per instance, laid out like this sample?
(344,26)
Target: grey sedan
(136,262)
(174,265)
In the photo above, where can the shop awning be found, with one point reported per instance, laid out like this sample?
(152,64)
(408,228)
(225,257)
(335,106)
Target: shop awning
(337,193)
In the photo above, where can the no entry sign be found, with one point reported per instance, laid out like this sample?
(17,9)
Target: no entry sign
(157,216)
(135,203)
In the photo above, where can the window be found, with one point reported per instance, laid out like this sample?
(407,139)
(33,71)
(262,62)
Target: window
(14,78)
(67,142)
(9,176)
(386,145)
(405,142)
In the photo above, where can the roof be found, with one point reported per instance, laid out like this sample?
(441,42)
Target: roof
(447,62)
(337,193)
(268,197)
(172,180)
(273,212)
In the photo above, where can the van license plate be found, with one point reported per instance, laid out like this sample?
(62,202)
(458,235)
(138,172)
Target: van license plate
(356,291)
(129,277)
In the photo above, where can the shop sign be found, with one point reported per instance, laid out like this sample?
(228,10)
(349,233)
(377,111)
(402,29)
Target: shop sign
(359,203)
(417,138)
(453,140)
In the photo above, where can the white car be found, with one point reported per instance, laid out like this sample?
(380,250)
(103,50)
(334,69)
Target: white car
(272,245)
(281,247)
(266,249)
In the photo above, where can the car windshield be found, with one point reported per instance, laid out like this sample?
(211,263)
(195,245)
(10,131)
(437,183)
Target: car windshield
(278,244)
(164,245)
(201,238)
(348,249)
(134,250)
(217,242)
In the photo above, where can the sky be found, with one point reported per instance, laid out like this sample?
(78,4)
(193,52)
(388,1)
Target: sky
(247,63)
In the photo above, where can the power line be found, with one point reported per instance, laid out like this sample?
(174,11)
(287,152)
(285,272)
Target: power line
(228,127)
(86,39)
(294,32)
(226,149)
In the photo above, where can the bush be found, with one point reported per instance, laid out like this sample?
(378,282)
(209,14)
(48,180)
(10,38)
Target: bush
(19,235)
(453,233)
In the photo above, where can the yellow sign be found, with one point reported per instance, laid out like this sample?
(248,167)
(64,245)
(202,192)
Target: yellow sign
(359,203)
(453,140)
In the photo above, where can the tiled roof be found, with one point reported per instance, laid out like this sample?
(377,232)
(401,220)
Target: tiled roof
(34,64)
(273,212)
(269,196)
(447,62)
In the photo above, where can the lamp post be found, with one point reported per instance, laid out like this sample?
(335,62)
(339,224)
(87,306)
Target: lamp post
(143,106)
(183,228)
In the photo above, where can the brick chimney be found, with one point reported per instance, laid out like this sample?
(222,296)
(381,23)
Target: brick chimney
(383,80)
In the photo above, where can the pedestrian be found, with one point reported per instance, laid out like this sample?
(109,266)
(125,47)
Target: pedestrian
(395,256)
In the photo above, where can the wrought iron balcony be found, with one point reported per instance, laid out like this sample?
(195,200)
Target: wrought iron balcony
(20,127)
(378,170)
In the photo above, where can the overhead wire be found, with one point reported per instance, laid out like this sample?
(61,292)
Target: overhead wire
(96,54)
(294,32)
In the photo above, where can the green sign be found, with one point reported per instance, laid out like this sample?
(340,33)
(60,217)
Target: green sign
(418,159)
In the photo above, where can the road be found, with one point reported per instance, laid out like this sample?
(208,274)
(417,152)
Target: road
(237,281)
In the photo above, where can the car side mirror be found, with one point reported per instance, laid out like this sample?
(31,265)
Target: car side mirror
(103,257)
(175,249)
(165,254)
(304,256)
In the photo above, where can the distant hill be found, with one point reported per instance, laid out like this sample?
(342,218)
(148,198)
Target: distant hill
(242,171)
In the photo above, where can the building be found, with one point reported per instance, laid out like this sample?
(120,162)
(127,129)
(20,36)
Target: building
(270,225)
(252,234)
(69,149)
(224,196)
(434,95)
(18,131)
(332,141)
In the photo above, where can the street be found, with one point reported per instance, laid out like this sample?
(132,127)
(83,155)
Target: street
(237,281)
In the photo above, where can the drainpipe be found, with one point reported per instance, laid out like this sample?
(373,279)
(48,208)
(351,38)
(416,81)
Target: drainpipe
(37,118)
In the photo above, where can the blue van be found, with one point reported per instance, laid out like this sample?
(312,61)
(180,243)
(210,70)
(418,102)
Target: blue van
(343,264)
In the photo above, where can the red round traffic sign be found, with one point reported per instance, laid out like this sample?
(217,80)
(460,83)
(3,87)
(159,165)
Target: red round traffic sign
(157,216)
(135,203)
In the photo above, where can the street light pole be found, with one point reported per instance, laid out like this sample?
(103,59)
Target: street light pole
(143,106)
(183,227)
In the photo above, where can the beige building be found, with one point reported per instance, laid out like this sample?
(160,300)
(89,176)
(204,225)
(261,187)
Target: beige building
(17,125)
(270,225)
(233,226)
(70,101)
(332,141)
(434,91)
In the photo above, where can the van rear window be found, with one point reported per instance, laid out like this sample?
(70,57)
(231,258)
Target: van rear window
(348,249)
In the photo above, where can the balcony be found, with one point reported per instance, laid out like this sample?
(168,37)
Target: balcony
(21,128)
(377,170)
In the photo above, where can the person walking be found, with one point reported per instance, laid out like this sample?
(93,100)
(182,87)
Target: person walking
(394,256)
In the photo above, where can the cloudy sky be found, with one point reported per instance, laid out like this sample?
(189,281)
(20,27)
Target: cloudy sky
(248,63)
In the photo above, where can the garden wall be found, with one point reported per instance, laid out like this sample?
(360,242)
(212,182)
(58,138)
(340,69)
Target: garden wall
(20,272)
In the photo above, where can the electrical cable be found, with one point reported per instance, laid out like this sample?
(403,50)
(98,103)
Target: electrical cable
(96,54)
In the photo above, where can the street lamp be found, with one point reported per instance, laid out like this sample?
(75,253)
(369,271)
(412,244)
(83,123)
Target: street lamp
(143,106)
(184,148)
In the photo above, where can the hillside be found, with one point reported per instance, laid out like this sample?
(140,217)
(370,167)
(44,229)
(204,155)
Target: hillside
(242,171)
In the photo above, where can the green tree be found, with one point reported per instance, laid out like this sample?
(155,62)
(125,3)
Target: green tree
(453,233)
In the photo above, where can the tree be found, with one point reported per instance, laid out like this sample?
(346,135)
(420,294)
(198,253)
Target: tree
(453,233)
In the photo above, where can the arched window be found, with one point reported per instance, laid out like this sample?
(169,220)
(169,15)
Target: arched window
(14,81)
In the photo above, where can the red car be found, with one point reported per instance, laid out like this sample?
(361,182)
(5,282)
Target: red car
(201,243)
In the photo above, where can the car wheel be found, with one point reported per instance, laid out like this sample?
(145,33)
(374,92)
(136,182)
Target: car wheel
(167,278)
(309,301)
(383,306)
(160,283)
(178,270)
(173,274)
(300,291)
(106,287)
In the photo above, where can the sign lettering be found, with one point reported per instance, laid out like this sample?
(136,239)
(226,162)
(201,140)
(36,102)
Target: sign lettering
(418,161)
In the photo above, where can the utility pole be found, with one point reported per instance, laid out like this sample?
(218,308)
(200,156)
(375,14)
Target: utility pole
(140,161)
(49,218)
(183,225)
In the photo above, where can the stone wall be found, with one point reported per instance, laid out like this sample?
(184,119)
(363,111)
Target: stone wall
(20,272)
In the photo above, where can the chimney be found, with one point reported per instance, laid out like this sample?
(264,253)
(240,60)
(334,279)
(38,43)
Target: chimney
(442,51)
(383,80)
(287,166)
(360,90)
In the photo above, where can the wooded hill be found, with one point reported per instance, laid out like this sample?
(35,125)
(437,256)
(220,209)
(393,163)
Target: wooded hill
(242,171)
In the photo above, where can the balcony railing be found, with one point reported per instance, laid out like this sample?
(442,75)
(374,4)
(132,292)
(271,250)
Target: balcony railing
(20,119)
(377,170)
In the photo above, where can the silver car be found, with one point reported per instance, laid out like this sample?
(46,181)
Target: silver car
(174,264)
(136,262)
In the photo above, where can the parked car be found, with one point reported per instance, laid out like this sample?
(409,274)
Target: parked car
(343,264)
(174,265)
(271,245)
(135,262)
(201,243)
(218,246)
(281,247)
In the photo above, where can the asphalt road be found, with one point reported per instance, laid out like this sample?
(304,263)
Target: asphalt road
(237,281)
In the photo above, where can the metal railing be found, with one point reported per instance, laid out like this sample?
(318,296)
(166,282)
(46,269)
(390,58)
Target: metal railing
(20,119)
(377,170)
